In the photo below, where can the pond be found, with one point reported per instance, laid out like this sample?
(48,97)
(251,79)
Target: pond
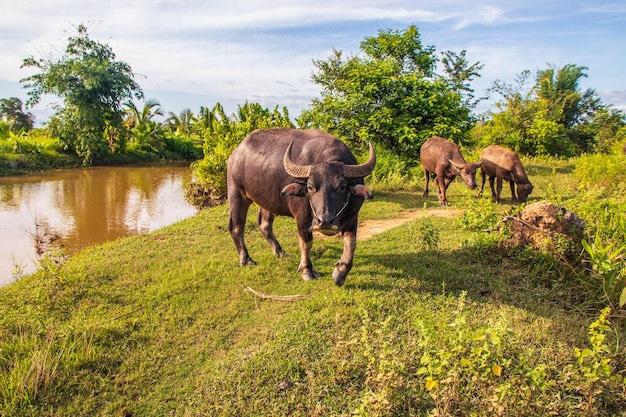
(74,209)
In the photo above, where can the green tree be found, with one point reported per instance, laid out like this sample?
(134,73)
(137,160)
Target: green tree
(553,116)
(146,133)
(392,94)
(221,134)
(93,86)
(181,124)
(12,112)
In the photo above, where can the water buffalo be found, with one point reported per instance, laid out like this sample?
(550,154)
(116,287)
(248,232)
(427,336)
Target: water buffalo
(309,175)
(442,158)
(504,164)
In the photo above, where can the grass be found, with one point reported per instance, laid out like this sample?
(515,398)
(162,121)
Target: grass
(161,324)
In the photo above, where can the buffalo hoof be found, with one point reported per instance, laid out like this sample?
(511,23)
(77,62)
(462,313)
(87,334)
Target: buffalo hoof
(309,274)
(309,277)
(340,273)
(247,261)
(339,277)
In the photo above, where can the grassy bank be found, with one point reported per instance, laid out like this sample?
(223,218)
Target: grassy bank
(36,152)
(433,319)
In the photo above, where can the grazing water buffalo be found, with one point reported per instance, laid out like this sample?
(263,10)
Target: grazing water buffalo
(504,164)
(309,175)
(442,158)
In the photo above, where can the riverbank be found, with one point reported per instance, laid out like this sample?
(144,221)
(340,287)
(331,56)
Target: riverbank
(432,317)
(37,153)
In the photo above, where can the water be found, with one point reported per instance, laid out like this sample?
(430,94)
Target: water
(83,207)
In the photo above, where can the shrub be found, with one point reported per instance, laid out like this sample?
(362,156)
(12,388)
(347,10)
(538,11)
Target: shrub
(600,171)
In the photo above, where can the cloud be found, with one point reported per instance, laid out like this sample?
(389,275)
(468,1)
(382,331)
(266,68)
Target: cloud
(189,53)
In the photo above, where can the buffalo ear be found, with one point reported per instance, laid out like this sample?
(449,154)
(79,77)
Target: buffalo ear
(295,189)
(359,190)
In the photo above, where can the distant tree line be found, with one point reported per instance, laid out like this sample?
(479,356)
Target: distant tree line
(396,93)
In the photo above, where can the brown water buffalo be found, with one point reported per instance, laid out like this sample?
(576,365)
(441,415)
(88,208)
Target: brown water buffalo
(504,164)
(442,158)
(309,175)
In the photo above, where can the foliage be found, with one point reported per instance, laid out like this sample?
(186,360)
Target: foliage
(553,117)
(145,133)
(222,133)
(12,113)
(93,86)
(605,173)
(32,151)
(607,278)
(392,95)
(592,375)
(479,214)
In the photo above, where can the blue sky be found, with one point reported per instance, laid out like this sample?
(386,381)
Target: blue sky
(192,53)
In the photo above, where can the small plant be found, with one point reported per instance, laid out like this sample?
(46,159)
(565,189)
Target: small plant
(18,268)
(479,214)
(429,234)
(607,267)
(592,374)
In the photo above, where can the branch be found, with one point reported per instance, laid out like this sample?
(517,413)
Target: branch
(276,297)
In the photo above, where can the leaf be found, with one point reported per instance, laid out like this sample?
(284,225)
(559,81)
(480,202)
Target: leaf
(465,362)
(497,370)
(430,384)
(622,298)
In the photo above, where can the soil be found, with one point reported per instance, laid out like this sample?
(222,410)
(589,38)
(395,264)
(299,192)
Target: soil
(369,228)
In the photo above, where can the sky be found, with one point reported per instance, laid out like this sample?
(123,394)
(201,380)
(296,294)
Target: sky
(193,53)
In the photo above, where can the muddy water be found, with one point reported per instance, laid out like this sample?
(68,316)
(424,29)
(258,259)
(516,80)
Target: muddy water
(83,207)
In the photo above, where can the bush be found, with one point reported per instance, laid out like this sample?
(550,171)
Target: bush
(605,172)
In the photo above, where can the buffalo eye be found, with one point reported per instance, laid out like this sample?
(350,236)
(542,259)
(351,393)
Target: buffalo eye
(310,188)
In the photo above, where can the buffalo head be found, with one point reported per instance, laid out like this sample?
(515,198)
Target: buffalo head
(467,171)
(328,187)
(523,191)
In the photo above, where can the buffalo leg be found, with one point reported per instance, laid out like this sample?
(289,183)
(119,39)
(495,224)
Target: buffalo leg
(236,226)
(265,220)
(492,187)
(498,189)
(483,177)
(345,262)
(513,195)
(305,240)
(442,187)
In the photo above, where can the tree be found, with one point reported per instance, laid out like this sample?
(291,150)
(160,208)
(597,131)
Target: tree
(181,123)
(12,113)
(551,117)
(93,86)
(222,133)
(145,132)
(392,95)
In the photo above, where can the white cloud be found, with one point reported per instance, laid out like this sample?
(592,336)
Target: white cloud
(191,52)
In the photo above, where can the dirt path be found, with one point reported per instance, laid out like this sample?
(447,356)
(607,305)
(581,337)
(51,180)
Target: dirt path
(369,228)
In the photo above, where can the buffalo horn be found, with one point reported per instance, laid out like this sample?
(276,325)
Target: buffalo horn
(293,169)
(360,171)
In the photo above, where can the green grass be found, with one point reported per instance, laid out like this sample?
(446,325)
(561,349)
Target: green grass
(161,324)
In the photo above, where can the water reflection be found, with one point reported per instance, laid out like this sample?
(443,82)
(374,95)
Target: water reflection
(85,207)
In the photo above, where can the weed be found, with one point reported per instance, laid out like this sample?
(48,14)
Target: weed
(479,214)
(592,375)
(429,234)
(18,268)
(608,271)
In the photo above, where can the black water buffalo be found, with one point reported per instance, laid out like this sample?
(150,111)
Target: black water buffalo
(504,164)
(442,158)
(309,175)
